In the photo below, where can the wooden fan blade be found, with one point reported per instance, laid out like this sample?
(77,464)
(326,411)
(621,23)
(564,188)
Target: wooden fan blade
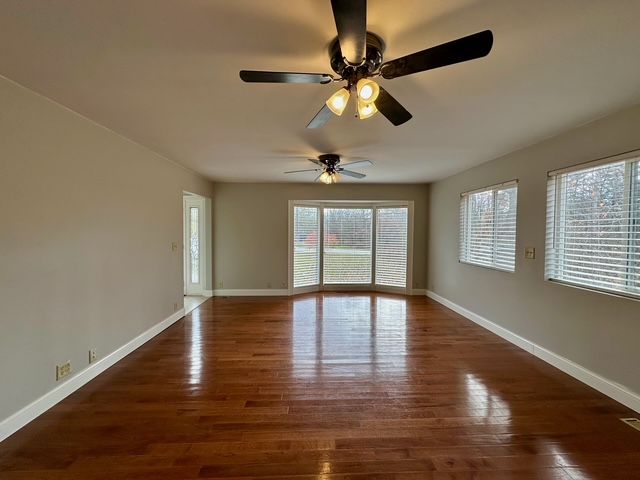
(466,48)
(254,76)
(349,173)
(351,23)
(361,163)
(391,108)
(307,170)
(322,117)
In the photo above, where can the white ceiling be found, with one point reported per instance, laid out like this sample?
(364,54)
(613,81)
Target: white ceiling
(165,74)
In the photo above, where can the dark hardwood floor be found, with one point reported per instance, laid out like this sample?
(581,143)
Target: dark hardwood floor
(328,386)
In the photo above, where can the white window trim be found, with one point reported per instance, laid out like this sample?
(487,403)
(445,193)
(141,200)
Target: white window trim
(321,204)
(497,186)
(552,175)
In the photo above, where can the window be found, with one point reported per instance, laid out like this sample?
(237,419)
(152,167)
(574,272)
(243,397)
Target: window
(347,245)
(194,244)
(306,246)
(593,226)
(391,246)
(356,245)
(488,226)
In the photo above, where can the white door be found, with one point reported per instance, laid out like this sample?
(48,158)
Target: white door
(193,245)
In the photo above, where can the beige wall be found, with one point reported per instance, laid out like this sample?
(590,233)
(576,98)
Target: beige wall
(250,231)
(597,331)
(87,219)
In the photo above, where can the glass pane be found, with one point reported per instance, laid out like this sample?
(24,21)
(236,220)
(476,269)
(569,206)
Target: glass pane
(488,228)
(634,253)
(194,244)
(593,226)
(306,246)
(347,245)
(391,247)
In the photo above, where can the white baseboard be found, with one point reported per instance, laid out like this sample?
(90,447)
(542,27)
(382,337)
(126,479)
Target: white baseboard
(608,387)
(11,424)
(266,292)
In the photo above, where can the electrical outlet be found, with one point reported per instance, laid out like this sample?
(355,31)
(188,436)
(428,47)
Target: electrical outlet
(63,370)
(220,285)
(530,253)
(92,356)
(175,306)
(174,246)
(283,285)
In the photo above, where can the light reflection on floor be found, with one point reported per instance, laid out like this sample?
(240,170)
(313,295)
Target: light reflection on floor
(348,336)
(195,356)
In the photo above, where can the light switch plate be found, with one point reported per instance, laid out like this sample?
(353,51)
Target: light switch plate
(530,253)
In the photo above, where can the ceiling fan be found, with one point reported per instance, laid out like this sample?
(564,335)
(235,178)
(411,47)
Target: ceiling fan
(329,165)
(356,56)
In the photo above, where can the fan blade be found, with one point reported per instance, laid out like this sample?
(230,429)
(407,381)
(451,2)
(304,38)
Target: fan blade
(284,77)
(320,119)
(318,177)
(391,108)
(466,48)
(307,170)
(349,173)
(316,161)
(362,163)
(351,23)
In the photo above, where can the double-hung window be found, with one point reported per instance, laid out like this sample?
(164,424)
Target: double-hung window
(593,225)
(488,226)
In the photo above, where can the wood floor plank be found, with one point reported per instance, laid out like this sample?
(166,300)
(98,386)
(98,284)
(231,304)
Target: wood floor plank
(327,386)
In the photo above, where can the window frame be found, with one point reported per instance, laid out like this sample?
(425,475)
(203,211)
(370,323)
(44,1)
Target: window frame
(631,188)
(463,231)
(373,205)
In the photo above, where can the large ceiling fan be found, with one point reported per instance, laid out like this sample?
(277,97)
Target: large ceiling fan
(331,169)
(356,56)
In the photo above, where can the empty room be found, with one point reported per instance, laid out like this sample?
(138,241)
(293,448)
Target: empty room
(319,239)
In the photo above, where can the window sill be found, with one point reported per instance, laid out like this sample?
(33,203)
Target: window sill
(611,293)
(488,267)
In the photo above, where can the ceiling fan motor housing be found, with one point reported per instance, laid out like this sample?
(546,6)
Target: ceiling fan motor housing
(370,65)
(330,160)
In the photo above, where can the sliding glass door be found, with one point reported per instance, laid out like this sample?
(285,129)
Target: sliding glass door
(340,246)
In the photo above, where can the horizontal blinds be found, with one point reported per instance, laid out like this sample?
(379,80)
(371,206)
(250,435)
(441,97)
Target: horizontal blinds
(391,246)
(347,246)
(488,227)
(306,246)
(593,227)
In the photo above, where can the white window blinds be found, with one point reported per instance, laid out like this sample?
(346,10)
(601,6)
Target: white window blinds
(391,246)
(306,246)
(347,245)
(488,226)
(593,226)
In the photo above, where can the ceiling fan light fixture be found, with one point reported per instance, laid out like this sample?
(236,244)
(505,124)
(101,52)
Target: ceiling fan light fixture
(329,178)
(338,101)
(325,178)
(368,90)
(366,110)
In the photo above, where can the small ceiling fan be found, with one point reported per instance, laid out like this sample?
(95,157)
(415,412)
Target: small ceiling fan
(356,56)
(331,169)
